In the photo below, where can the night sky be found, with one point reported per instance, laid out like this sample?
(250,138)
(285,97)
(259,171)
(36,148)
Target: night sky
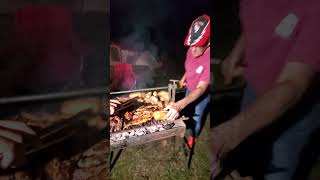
(159,22)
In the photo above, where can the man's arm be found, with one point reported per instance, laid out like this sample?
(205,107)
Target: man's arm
(182,82)
(194,95)
(287,91)
(231,64)
(238,50)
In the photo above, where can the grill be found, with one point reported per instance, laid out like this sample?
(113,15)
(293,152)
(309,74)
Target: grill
(150,131)
(48,154)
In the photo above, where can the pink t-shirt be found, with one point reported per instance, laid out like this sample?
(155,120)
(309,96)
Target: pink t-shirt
(277,32)
(197,69)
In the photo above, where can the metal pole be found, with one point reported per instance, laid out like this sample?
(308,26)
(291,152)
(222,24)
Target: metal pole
(139,90)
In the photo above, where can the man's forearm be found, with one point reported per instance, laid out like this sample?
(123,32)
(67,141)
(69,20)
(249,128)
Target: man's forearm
(239,47)
(194,95)
(183,77)
(266,109)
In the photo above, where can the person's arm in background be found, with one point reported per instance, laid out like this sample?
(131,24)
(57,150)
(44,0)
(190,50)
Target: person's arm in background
(302,63)
(231,64)
(287,91)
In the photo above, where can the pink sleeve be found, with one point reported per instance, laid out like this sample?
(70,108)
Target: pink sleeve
(306,47)
(206,71)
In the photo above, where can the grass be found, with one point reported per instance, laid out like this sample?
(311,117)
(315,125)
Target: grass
(164,160)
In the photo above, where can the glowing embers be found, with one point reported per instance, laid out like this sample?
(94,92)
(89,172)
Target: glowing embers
(140,131)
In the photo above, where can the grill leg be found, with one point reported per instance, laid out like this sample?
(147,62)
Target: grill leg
(111,157)
(191,155)
(115,159)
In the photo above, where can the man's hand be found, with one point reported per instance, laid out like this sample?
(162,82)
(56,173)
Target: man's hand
(174,109)
(113,105)
(223,140)
(11,139)
(230,65)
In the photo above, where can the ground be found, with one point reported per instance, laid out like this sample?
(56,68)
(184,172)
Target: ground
(164,160)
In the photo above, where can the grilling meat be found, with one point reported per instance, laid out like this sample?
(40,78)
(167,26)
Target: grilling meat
(89,165)
(41,119)
(74,106)
(115,124)
(151,102)
(128,116)
(58,170)
(123,99)
(159,115)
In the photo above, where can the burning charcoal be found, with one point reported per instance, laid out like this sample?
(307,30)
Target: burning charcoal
(125,134)
(131,134)
(140,133)
(168,126)
(122,138)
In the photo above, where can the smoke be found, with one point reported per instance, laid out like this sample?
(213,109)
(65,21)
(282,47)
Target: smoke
(143,26)
(155,27)
(146,18)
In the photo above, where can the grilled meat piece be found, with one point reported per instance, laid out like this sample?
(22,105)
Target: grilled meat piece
(128,116)
(153,101)
(58,170)
(123,99)
(115,124)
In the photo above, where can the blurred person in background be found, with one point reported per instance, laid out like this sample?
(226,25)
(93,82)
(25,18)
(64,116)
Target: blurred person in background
(281,101)
(43,55)
(196,77)
(45,52)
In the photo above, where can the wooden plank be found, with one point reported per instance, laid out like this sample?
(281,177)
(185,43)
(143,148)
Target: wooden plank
(177,130)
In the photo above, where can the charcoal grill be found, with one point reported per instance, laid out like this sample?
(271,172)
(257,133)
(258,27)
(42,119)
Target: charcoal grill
(61,133)
(176,128)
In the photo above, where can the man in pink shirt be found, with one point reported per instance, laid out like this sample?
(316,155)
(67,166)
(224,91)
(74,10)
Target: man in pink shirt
(280,45)
(196,77)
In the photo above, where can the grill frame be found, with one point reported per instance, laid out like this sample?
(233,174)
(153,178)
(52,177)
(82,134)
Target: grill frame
(178,130)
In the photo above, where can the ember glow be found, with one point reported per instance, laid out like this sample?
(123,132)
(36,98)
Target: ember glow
(114,137)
